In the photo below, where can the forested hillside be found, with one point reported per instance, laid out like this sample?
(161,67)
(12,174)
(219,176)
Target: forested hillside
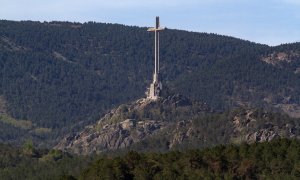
(269,160)
(57,76)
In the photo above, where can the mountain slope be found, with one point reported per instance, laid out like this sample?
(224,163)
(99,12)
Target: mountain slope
(174,122)
(63,76)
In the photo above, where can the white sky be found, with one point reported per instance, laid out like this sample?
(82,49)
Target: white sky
(270,22)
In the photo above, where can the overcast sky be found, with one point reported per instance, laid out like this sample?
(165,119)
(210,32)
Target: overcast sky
(269,22)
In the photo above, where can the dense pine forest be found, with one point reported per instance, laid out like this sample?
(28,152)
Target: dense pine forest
(57,77)
(269,160)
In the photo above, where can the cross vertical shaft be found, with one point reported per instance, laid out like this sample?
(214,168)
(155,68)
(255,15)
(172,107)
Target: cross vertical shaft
(156,86)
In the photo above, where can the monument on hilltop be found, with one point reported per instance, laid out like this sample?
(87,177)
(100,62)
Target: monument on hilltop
(156,85)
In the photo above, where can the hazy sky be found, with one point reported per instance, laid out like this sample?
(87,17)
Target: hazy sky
(270,22)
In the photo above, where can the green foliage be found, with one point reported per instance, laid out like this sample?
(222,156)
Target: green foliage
(278,159)
(267,160)
(16,131)
(28,146)
(39,164)
(22,124)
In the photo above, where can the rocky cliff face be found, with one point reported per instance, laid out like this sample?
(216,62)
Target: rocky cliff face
(125,125)
(175,123)
(250,126)
(95,139)
(278,57)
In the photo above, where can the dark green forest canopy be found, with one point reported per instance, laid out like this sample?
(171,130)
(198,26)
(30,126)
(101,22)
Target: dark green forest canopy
(277,159)
(61,75)
(268,160)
